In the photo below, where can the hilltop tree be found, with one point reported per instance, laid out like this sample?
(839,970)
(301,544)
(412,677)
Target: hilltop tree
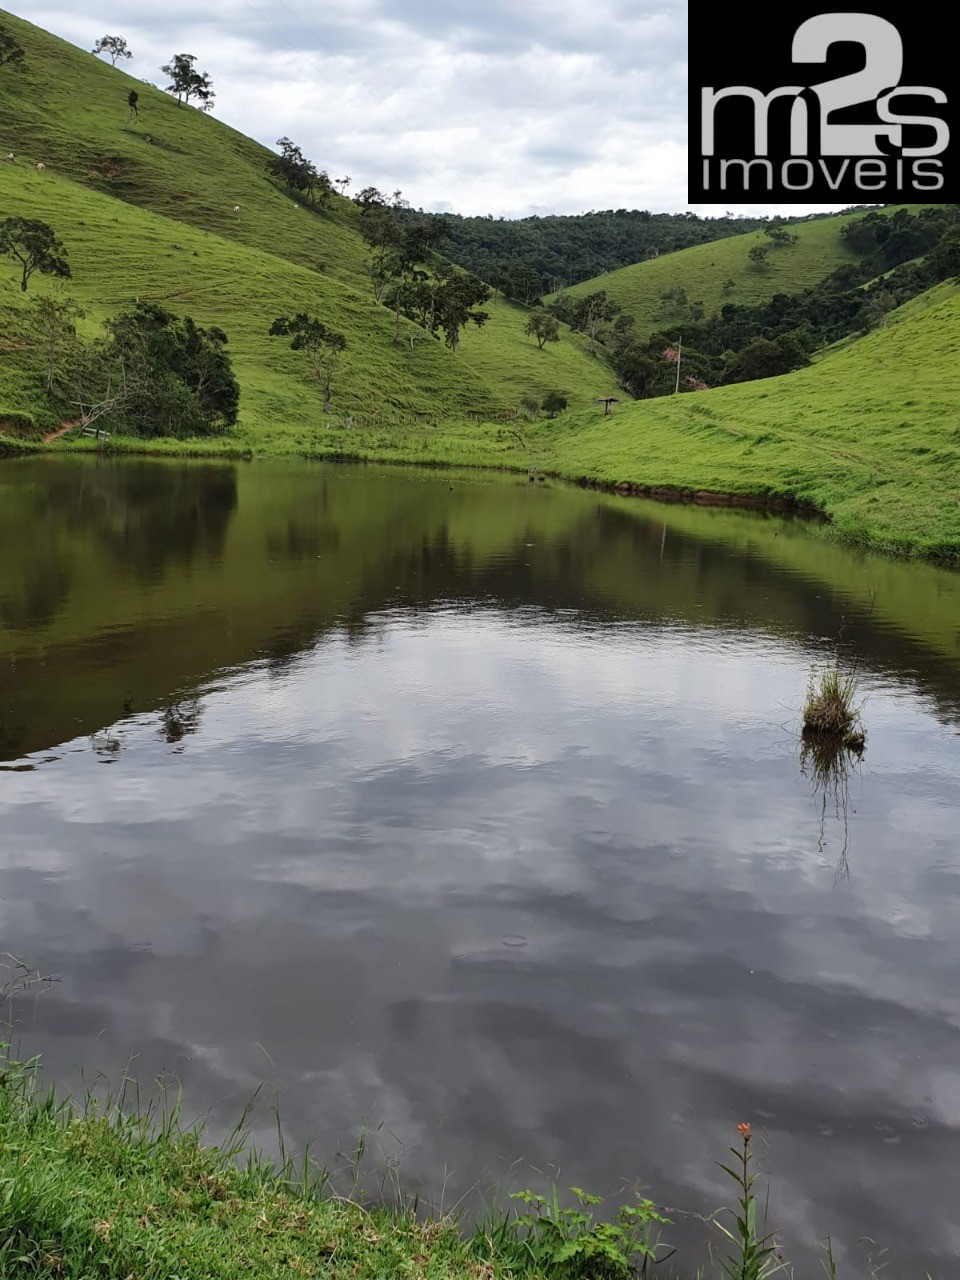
(186,82)
(35,246)
(322,346)
(11,54)
(114,47)
(369,197)
(544,327)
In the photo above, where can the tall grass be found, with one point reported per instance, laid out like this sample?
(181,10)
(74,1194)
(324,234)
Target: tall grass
(831,712)
(105,1189)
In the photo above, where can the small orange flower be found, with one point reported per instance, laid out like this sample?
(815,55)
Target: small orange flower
(744,1131)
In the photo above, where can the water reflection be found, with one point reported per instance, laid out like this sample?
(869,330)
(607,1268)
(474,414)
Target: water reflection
(829,765)
(474,813)
(180,720)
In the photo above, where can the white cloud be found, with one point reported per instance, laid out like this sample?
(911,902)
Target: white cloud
(490,108)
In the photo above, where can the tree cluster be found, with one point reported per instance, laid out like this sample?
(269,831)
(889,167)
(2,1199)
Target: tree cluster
(300,175)
(404,272)
(157,374)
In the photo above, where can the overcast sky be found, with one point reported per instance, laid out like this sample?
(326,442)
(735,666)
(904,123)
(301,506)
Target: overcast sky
(473,106)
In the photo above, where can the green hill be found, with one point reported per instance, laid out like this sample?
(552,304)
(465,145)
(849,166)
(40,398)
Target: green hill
(870,434)
(148,211)
(179,209)
(721,272)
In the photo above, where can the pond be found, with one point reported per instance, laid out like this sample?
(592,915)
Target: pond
(473,810)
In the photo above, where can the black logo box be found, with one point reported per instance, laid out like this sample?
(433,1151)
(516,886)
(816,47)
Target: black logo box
(824,128)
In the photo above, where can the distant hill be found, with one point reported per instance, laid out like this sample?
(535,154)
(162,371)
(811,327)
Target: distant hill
(870,434)
(147,209)
(562,250)
(722,272)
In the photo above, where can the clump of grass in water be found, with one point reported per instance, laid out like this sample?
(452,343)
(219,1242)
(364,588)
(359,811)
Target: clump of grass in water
(832,743)
(831,713)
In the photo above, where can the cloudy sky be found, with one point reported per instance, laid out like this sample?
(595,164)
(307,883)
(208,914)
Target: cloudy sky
(478,106)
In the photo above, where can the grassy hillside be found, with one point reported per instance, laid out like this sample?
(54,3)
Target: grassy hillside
(148,211)
(705,271)
(870,434)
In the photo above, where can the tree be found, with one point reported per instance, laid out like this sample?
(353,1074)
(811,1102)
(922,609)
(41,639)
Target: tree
(11,54)
(382,231)
(945,256)
(155,374)
(133,108)
(456,296)
(299,174)
(187,83)
(758,256)
(544,327)
(114,47)
(322,346)
(519,282)
(54,319)
(554,402)
(35,247)
(176,378)
(413,240)
(879,303)
(591,312)
(780,235)
(368,197)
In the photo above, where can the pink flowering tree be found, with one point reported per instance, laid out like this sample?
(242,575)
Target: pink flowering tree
(695,384)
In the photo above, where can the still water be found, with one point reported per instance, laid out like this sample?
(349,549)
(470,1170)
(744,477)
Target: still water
(475,809)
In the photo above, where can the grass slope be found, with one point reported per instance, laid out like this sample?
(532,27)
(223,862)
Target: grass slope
(870,434)
(704,270)
(89,1193)
(148,211)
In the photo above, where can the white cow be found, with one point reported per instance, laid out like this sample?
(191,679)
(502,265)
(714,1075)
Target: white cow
(40,167)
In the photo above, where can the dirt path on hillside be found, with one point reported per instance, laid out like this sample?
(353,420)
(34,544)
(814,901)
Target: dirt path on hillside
(60,431)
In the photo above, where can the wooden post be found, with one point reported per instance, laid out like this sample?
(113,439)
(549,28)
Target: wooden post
(679,358)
